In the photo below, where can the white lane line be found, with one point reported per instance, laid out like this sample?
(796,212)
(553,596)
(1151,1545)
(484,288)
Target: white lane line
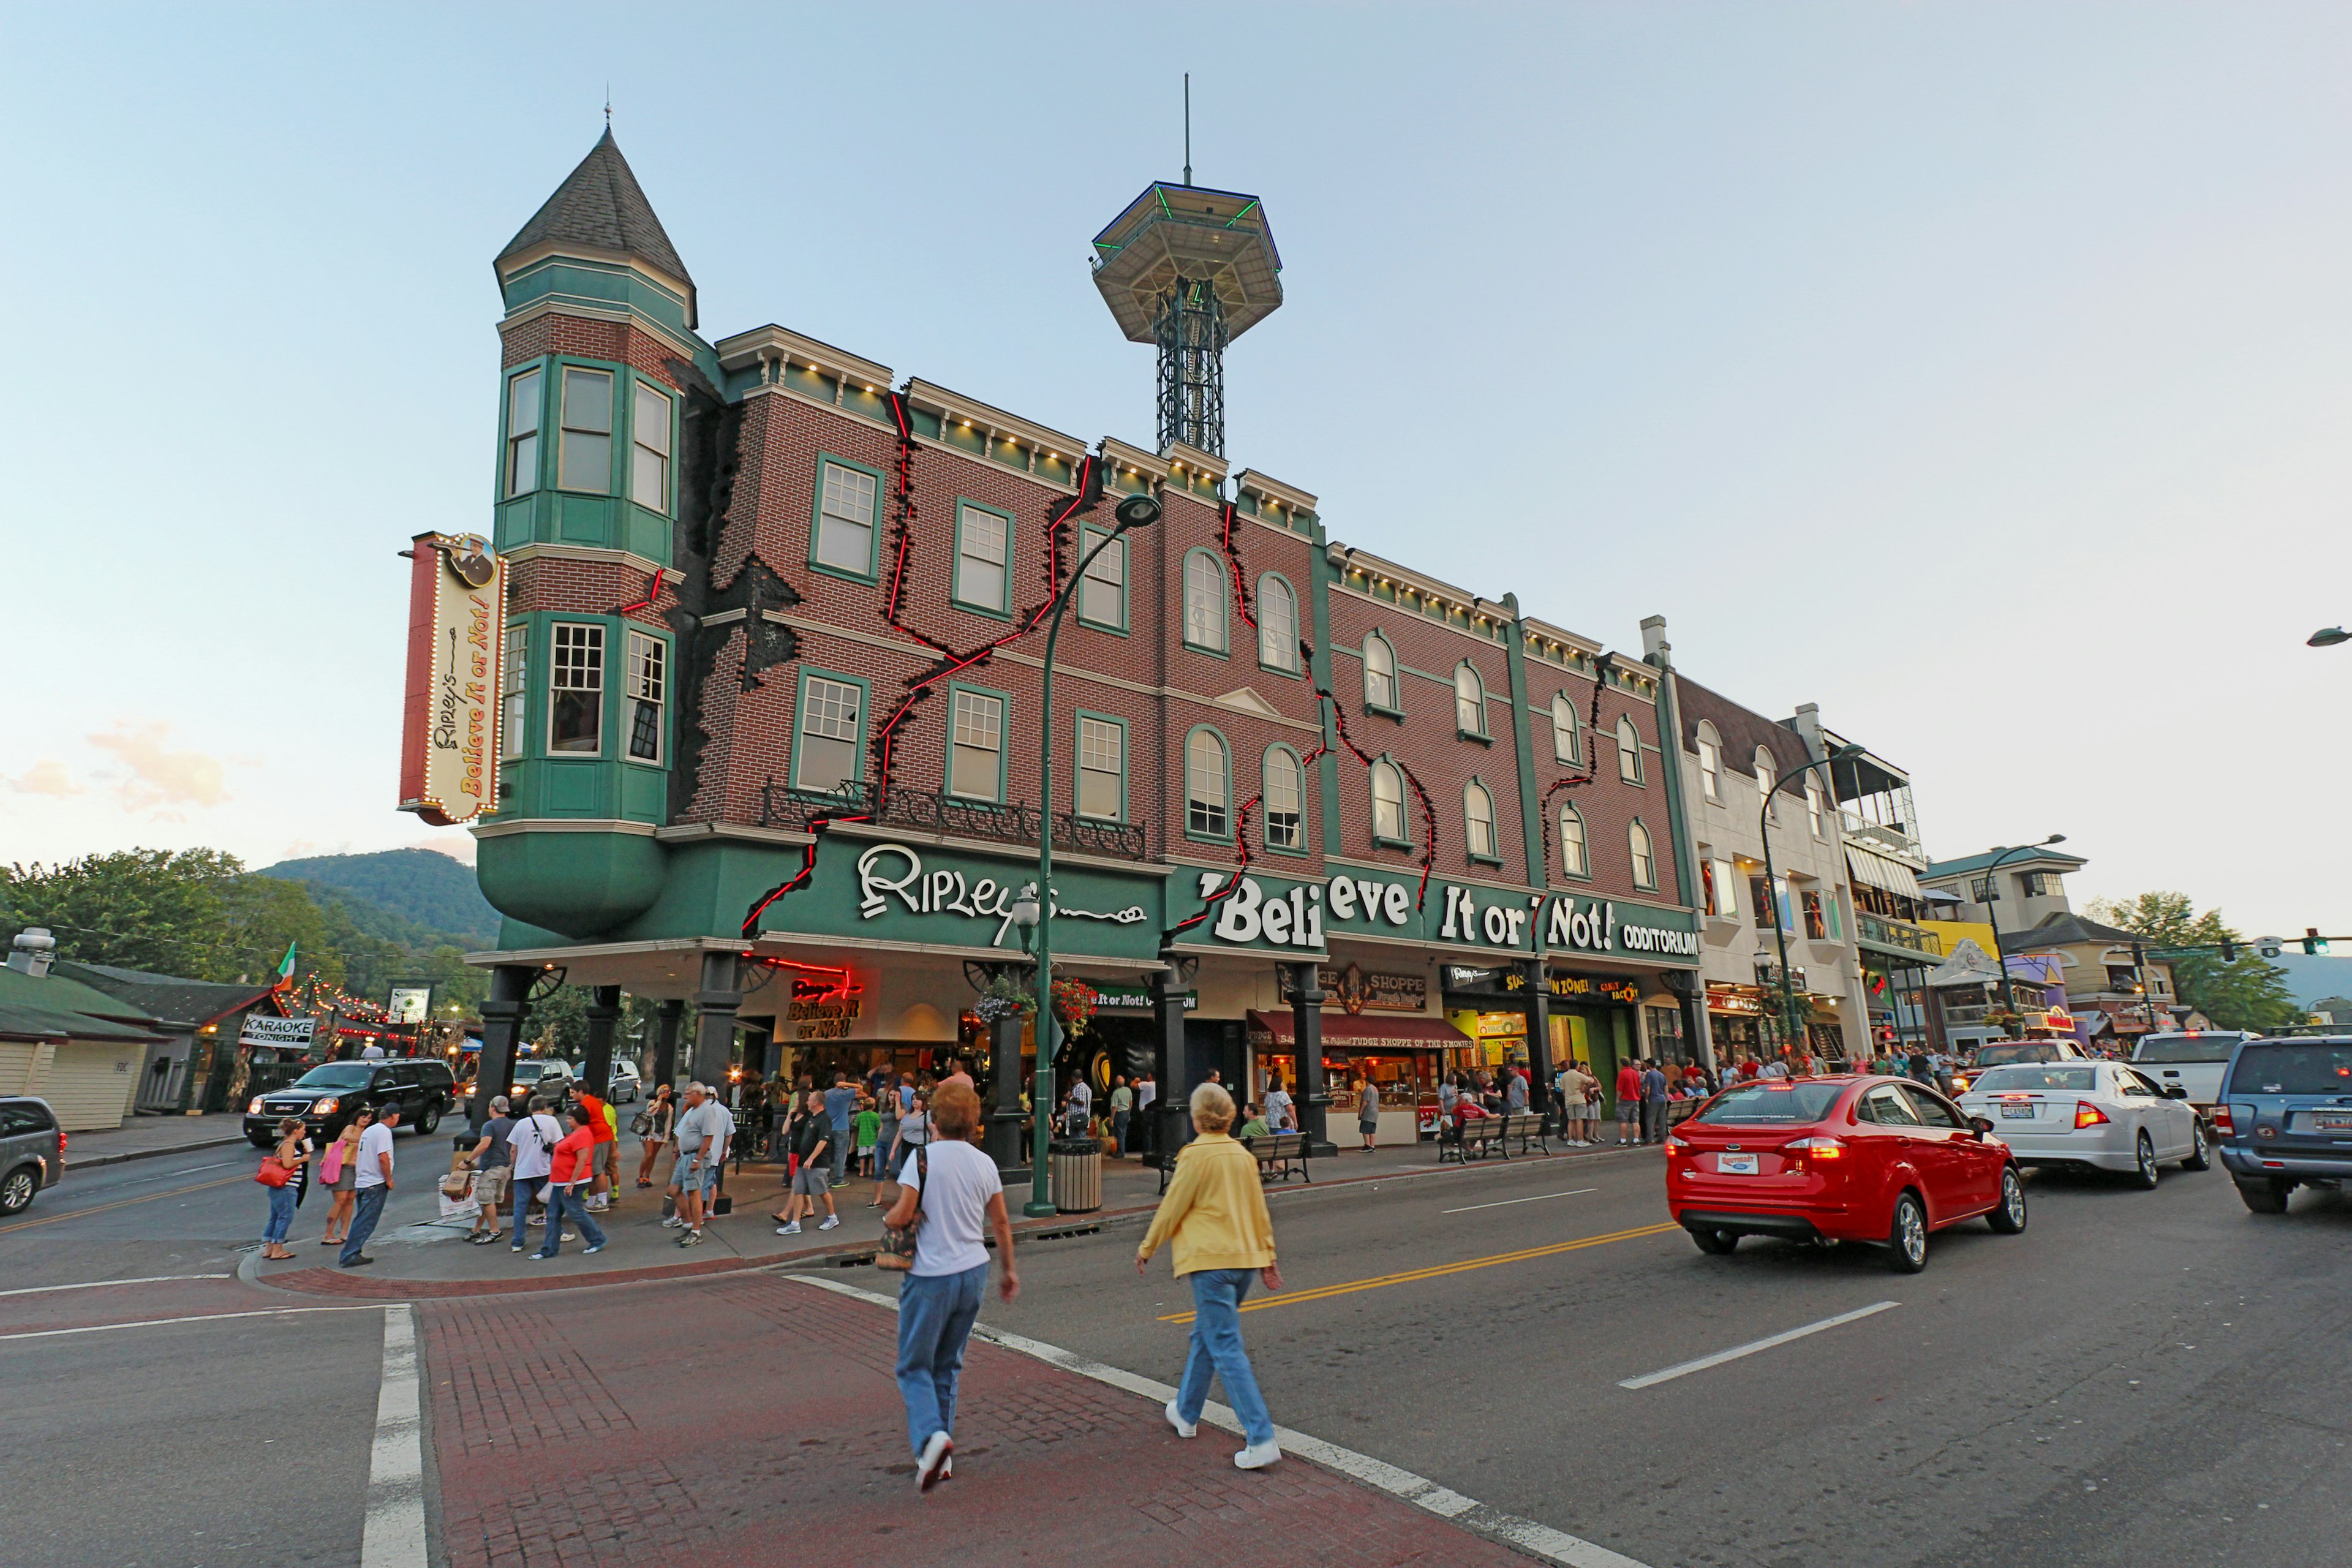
(394,1537)
(1506,1202)
(102,1284)
(1541,1540)
(1719,1357)
(200,1318)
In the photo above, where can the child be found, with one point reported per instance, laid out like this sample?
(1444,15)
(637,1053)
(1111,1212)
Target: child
(868,1124)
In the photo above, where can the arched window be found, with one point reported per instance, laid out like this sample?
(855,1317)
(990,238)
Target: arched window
(1575,857)
(1813,806)
(1388,802)
(1766,778)
(1380,673)
(1204,602)
(1277,624)
(1207,786)
(1629,751)
(1563,729)
(1286,787)
(1710,761)
(1469,700)
(1478,820)
(1645,869)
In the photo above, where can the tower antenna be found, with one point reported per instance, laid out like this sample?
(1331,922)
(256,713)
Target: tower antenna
(608,106)
(1188,131)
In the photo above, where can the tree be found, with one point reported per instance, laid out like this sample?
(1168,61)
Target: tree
(2246,993)
(156,909)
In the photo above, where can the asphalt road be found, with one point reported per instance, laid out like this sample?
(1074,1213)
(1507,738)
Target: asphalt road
(2140,1377)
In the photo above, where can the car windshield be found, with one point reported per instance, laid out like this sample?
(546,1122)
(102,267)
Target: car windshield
(2033,1051)
(2186,1049)
(1776,1103)
(2292,1069)
(2029,1079)
(337,1075)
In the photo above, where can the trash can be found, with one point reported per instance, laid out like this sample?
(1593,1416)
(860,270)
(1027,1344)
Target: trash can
(1077,1175)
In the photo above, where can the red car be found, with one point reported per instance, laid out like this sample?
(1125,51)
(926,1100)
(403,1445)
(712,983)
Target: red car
(1838,1158)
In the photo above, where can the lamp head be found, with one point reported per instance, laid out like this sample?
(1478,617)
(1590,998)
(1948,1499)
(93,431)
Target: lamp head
(1846,754)
(1136,511)
(2056,838)
(1024,907)
(2327,637)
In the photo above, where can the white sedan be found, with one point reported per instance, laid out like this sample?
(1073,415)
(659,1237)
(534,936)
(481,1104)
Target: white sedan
(2090,1115)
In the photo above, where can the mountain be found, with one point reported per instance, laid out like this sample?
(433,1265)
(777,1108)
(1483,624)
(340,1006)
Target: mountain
(416,887)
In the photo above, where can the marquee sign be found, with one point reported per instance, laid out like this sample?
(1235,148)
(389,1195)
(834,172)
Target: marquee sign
(448,738)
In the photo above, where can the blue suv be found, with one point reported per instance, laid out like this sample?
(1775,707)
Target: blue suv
(2284,1117)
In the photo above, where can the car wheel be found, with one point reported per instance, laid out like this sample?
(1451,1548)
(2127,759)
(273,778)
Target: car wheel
(2007,1216)
(16,1189)
(1716,1243)
(2144,1171)
(2199,1157)
(2264,1197)
(430,1120)
(1906,1239)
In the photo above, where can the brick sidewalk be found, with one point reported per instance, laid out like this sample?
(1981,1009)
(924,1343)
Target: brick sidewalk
(753,1420)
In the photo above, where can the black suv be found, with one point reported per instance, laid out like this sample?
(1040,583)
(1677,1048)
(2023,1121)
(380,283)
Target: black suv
(32,1151)
(328,1096)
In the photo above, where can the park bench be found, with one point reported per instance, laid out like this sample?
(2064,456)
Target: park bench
(1472,1140)
(1525,1127)
(1280,1155)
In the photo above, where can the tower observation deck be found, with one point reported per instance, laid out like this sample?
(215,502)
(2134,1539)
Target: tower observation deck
(1190,269)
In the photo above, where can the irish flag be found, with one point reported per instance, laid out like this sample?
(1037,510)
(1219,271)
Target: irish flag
(286,970)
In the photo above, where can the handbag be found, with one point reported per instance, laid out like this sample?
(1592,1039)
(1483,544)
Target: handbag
(641,1123)
(330,1169)
(896,1250)
(273,1174)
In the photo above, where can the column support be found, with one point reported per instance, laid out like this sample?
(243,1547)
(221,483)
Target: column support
(596,1060)
(505,1013)
(665,1023)
(1306,998)
(714,1039)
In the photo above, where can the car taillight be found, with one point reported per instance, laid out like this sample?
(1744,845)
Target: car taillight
(2087,1115)
(2222,1124)
(1816,1147)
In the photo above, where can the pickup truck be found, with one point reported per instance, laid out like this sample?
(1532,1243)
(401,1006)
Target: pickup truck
(2192,1060)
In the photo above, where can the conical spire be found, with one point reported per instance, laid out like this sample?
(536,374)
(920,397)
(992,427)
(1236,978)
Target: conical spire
(600,207)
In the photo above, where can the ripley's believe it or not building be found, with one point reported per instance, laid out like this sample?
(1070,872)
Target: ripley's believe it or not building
(768,720)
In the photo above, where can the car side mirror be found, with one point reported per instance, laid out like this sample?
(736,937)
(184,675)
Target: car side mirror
(1979,1125)
(2175,1091)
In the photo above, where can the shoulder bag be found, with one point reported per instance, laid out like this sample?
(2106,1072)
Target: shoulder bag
(273,1173)
(896,1252)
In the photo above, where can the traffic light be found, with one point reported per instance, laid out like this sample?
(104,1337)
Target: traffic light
(2228,952)
(2312,942)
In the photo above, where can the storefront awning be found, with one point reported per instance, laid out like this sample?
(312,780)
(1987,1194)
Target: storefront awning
(1878,871)
(1359,1031)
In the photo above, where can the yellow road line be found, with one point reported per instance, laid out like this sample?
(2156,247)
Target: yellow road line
(1323,1292)
(120,1202)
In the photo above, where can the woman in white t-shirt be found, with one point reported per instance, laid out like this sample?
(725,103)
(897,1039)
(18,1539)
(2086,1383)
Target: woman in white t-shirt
(955,1189)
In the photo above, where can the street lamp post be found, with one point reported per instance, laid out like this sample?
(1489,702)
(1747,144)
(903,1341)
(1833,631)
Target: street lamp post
(1992,919)
(1135,511)
(1789,1018)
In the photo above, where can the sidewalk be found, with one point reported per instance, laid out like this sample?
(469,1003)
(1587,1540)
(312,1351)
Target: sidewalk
(432,1261)
(587,1437)
(144,1137)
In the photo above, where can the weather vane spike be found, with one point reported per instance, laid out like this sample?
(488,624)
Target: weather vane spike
(1188,131)
(608,106)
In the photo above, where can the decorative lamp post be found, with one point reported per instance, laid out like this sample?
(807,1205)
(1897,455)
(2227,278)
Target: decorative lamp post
(1792,1014)
(1135,511)
(1992,919)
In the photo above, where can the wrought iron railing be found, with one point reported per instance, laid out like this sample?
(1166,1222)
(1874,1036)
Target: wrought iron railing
(1892,934)
(931,810)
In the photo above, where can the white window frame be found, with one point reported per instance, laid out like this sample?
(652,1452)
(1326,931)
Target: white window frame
(1280,642)
(1768,779)
(514,691)
(1813,806)
(1383,768)
(523,442)
(1710,763)
(642,397)
(1090,729)
(1197,589)
(645,684)
(1478,812)
(576,664)
(1385,667)
(1470,704)
(1643,852)
(804,725)
(968,514)
(1581,868)
(1195,799)
(569,428)
(1628,755)
(1106,573)
(982,736)
(1282,759)
(853,481)
(1564,737)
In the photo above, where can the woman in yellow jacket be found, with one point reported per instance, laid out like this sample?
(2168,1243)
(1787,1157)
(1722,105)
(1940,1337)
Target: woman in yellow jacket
(1216,1213)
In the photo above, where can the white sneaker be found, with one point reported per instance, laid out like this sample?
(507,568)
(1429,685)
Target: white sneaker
(934,1456)
(1183,1428)
(1257,1456)
(672,1223)
(830,1221)
(791,1229)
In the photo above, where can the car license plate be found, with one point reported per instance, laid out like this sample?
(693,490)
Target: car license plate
(2017,1112)
(2334,1121)
(1735,1164)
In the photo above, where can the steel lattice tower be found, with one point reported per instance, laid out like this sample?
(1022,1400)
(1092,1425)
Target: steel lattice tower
(1189,270)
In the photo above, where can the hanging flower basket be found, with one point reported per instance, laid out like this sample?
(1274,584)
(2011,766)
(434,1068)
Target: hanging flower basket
(1075,1002)
(1004,998)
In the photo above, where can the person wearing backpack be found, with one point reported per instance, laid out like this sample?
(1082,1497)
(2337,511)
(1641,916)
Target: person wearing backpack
(948,1191)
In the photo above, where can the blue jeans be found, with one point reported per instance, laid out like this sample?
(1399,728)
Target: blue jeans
(281,1215)
(839,1138)
(364,1214)
(561,1201)
(1217,1347)
(525,1189)
(936,1312)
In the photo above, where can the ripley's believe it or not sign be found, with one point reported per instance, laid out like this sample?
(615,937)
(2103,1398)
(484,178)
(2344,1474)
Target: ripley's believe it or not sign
(892,891)
(448,735)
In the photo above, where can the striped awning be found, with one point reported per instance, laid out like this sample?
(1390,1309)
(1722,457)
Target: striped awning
(1878,871)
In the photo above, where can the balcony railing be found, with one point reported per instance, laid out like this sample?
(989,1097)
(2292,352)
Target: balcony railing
(1894,933)
(930,811)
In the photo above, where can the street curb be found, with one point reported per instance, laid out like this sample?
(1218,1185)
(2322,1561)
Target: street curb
(94,1161)
(338,1283)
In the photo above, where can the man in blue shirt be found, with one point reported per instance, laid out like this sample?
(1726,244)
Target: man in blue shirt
(840,1104)
(1653,1105)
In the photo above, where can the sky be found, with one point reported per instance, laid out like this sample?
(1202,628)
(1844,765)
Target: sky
(1976,372)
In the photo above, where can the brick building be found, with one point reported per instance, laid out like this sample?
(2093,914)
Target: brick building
(771,732)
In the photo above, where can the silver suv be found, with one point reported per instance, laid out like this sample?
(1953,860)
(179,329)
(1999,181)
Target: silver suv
(32,1151)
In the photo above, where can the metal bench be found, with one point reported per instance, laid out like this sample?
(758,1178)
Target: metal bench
(1280,1155)
(1527,1126)
(1472,1139)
